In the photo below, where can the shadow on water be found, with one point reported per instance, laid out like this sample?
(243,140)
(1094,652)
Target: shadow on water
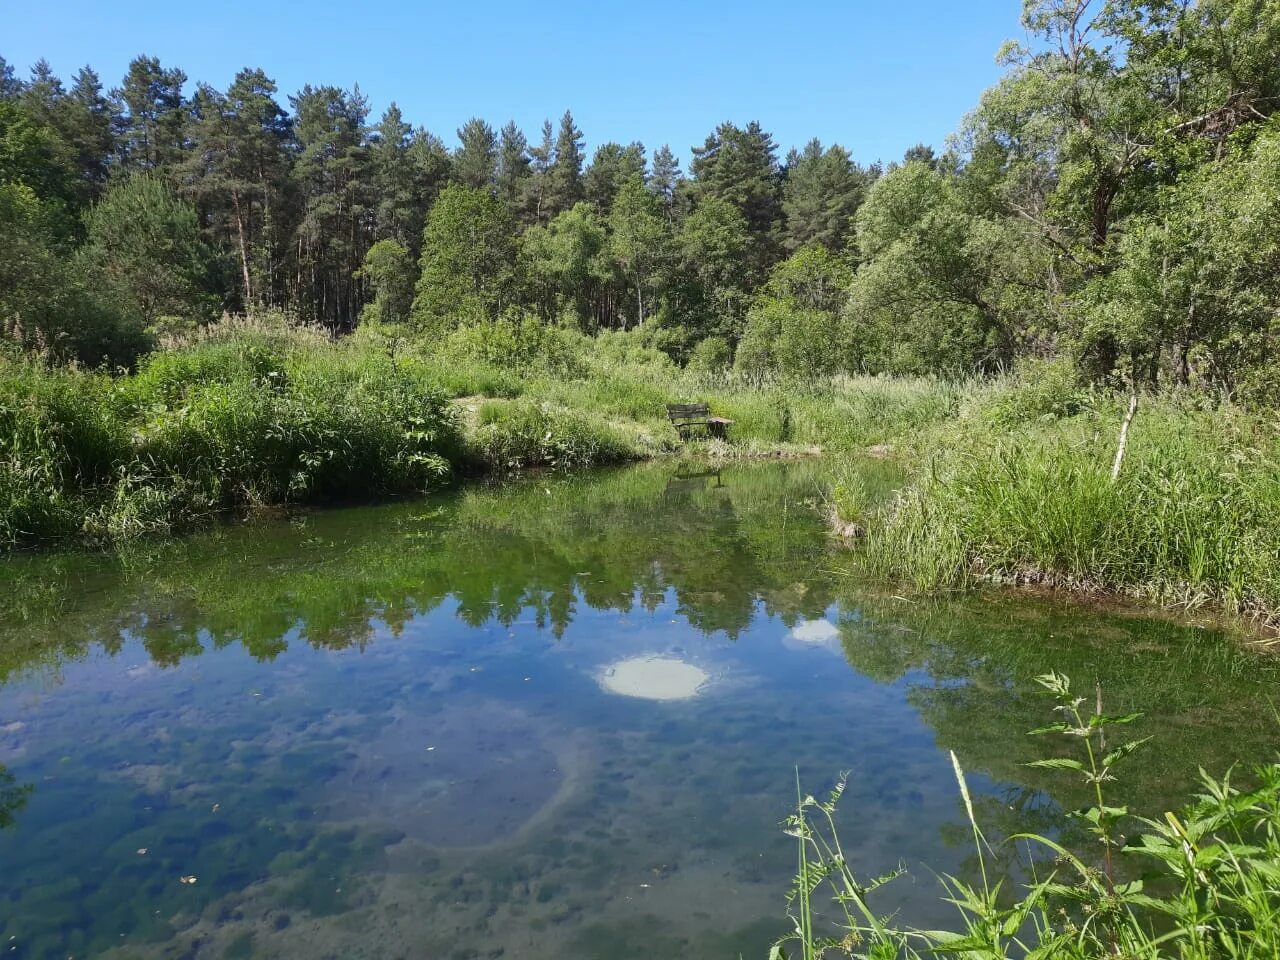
(378,731)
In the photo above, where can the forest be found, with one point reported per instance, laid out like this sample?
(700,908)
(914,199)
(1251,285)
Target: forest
(1113,199)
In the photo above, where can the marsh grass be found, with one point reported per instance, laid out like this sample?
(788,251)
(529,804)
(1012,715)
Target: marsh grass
(1208,886)
(1193,519)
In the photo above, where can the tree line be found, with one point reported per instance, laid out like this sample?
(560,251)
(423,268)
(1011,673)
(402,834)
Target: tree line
(1114,199)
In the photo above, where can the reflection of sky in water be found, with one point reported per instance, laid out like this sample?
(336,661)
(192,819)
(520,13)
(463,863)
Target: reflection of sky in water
(419,759)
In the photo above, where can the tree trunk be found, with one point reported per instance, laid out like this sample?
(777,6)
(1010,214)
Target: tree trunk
(244,255)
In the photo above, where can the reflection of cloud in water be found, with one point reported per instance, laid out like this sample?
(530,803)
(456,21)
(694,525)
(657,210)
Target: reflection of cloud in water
(814,633)
(654,678)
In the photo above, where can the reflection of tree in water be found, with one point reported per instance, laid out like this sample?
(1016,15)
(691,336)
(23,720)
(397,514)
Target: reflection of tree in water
(540,549)
(13,797)
(970,664)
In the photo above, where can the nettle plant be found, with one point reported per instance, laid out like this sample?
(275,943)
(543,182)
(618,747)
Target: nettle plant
(1207,884)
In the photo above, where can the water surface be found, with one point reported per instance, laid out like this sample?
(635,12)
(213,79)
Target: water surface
(380,731)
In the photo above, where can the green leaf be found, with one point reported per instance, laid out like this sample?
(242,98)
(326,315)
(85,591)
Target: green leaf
(1056,763)
(1115,756)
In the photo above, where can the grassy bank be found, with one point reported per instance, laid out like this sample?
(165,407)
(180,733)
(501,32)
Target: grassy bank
(261,414)
(1008,480)
(1018,488)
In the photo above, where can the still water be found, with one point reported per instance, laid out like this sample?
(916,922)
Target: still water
(382,731)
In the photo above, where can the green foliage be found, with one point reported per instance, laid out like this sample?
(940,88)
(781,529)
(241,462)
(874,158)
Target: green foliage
(1112,199)
(790,340)
(567,263)
(518,434)
(939,291)
(468,269)
(520,344)
(63,438)
(262,417)
(389,271)
(821,196)
(793,328)
(143,250)
(1190,520)
(1208,889)
(712,355)
(45,306)
(713,244)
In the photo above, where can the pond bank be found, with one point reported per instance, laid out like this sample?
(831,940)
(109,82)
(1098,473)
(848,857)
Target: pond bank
(1007,481)
(1191,521)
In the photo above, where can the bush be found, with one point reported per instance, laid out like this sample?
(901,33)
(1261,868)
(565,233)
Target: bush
(514,435)
(520,344)
(711,355)
(789,340)
(62,439)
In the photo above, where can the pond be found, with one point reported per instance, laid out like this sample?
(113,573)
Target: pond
(559,718)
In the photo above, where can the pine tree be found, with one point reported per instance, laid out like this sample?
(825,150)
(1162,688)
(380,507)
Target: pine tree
(235,171)
(664,178)
(611,167)
(10,85)
(738,165)
(151,115)
(537,189)
(331,175)
(85,121)
(432,167)
(391,169)
(43,94)
(821,196)
(564,186)
(513,167)
(475,164)
(144,248)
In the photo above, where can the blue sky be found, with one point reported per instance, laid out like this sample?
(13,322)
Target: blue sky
(876,77)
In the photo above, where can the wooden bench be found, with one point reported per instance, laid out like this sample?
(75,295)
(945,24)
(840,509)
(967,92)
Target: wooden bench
(685,416)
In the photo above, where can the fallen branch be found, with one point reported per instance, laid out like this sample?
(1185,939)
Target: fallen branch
(1124,433)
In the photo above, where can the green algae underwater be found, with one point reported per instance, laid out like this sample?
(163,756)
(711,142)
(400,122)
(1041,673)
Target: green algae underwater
(382,731)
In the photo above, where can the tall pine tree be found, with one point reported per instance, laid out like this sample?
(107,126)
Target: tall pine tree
(564,177)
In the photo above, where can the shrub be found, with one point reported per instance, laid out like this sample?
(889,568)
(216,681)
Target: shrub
(711,355)
(514,435)
(61,439)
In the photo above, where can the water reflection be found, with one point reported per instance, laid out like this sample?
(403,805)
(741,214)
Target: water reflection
(332,580)
(381,730)
(13,797)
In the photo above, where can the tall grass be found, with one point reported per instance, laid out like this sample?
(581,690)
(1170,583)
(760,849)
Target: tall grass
(259,418)
(1209,873)
(1192,519)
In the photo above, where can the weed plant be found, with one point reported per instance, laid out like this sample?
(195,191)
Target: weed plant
(1209,886)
